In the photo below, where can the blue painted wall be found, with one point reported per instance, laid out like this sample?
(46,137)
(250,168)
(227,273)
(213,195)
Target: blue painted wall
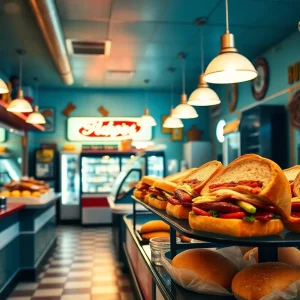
(119,103)
(279,58)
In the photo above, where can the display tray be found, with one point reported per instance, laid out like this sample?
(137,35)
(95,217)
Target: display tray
(44,198)
(286,238)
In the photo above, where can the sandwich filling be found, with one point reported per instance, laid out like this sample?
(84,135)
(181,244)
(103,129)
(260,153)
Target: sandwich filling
(158,194)
(223,202)
(184,194)
(295,213)
(143,188)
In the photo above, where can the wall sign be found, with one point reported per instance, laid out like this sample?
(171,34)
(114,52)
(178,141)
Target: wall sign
(106,129)
(294,72)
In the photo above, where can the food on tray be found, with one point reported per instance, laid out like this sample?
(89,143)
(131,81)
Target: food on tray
(156,225)
(150,235)
(27,185)
(185,239)
(36,194)
(142,188)
(26,193)
(5,193)
(15,193)
(293,175)
(208,265)
(160,191)
(262,279)
(288,255)
(247,198)
(180,202)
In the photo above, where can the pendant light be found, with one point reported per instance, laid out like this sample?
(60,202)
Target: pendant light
(184,110)
(203,95)
(36,117)
(171,121)
(146,119)
(20,104)
(3,87)
(229,66)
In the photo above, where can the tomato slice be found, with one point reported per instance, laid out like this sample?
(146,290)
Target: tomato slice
(200,212)
(174,201)
(295,214)
(237,215)
(296,206)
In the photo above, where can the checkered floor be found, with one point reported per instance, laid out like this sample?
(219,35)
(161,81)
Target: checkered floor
(83,267)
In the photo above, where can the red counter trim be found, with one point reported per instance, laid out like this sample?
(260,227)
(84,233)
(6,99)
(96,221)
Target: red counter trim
(94,202)
(10,209)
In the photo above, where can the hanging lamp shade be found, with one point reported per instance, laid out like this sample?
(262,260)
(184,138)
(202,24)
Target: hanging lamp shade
(36,117)
(147,120)
(3,87)
(184,110)
(203,95)
(19,104)
(172,122)
(229,66)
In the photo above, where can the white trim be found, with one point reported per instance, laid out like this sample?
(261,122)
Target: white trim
(9,234)
(42,219)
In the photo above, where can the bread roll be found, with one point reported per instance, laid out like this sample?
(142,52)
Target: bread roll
(138,194)
(235,227)
(5,193)
(208,265)
(26,193)
(288,255)
(257,281)
(148,180)
(150,235)
(165,185)
(156,225)
(15,193)
(178,211)
(179,176)
(157,203)
(185,239)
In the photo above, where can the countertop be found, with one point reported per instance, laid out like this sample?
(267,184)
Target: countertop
(10,209)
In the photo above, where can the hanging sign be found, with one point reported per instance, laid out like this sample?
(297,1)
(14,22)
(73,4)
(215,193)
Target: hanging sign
(107,129)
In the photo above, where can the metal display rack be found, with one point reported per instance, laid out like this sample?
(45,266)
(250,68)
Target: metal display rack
(267,245)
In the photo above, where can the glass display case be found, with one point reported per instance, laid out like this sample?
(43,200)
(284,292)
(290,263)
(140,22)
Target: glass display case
(70,186)
(156,165)
(99,173)
(10,169)
(231,147)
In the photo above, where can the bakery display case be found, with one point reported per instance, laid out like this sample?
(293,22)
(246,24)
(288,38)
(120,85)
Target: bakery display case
(70,186)
(10,169)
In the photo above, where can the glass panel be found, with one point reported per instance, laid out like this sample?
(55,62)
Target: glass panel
(232,147)
(156,166)
(99,173)
(133,162)
(70,179)
(129,183)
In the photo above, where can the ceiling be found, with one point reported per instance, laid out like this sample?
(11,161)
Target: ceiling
(146,37)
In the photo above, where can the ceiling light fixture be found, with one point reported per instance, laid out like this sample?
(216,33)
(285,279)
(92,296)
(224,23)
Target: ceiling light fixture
(36,117)
(3,87)
(229,66)
(171,121)
(203,95)
(20,104)
(184,110)
(147,120)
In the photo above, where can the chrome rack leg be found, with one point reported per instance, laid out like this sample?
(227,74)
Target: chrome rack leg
(267,254)
(173,244)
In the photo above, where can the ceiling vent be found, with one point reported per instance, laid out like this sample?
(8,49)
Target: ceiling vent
(119,75)
(79,47)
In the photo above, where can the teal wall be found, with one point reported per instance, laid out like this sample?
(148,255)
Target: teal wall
(279,58)
(119,103)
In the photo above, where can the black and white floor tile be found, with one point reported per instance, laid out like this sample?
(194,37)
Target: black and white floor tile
(83,267)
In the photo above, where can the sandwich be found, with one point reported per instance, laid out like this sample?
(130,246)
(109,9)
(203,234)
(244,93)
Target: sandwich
(293,175)
(260,280)
(177,177)
(159,193)
(247,198)
(143,186)
(180,203)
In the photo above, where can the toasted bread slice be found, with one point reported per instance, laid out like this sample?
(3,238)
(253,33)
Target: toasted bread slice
(179,176)
(165,185)
(291,173)
(148,180)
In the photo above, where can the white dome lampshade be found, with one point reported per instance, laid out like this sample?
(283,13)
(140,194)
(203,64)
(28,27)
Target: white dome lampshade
(36,117)
(19,104)
(184,110)
(147,120)
(203,95)
(3,87)
(172,122)
(229,66)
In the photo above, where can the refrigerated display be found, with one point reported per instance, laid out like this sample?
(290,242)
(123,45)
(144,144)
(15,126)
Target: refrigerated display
(70,186)
(10,169)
